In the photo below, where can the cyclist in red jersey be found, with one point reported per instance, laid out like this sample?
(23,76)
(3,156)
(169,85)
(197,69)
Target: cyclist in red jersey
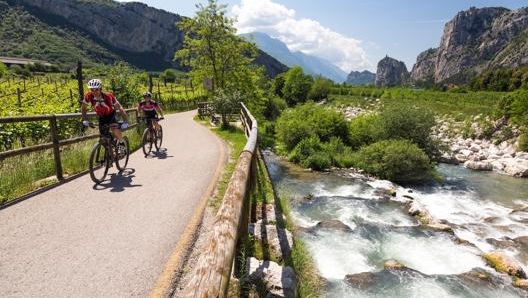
(150,110)
(104,105)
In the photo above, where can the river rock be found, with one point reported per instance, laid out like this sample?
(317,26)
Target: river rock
(363,280)
(333,224)
(520,283)
(478,165)
(504,264)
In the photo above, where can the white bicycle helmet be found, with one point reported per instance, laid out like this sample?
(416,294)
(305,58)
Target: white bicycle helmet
(147,94)
(95,84)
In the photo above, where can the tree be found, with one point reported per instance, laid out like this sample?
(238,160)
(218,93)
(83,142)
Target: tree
(320,89)
(296,86)
(213,51)
(168,75)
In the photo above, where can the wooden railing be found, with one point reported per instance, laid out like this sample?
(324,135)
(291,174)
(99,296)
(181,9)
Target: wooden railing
(210,277)
(55,143)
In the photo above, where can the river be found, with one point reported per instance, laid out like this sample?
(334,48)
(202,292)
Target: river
(486,211)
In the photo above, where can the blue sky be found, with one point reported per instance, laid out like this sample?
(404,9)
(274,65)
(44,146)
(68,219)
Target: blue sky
(352,34)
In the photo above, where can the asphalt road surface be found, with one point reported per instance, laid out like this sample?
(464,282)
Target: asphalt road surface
(115,239)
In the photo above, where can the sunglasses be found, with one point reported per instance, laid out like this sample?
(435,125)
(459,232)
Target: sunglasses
(94,89)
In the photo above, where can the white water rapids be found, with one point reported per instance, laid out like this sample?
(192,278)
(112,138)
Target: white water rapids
(482,208)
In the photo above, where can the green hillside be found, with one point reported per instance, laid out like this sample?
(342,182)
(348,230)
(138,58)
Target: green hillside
(24,35)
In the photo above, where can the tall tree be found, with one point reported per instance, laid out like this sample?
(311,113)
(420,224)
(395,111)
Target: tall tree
(296,86)
(214,53)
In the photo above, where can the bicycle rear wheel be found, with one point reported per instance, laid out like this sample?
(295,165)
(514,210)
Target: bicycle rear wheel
(159,138)
(146,140)
(122,157)
(99,163)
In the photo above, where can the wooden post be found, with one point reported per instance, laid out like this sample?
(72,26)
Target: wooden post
(56,148)
(80,81)
(19,98)
(150,84)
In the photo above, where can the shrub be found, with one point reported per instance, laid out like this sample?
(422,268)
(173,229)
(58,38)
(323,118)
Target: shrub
(523,141)
(364,130)
(400,161)
(402,121)
(309,120)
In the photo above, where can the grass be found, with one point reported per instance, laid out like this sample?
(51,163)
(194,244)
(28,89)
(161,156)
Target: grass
(310,284)
(236,140)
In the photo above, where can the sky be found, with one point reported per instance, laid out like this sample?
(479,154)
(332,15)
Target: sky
(352,34)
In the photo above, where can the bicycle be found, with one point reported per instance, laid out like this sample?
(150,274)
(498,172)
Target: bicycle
(106,152)
(151,137)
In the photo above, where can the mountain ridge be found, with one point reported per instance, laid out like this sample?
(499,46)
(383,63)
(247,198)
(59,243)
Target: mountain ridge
(310,64)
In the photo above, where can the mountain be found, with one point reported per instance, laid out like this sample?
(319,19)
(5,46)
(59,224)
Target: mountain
(474,41)
(391,72)
(361,78)
(310,64)
(95,31)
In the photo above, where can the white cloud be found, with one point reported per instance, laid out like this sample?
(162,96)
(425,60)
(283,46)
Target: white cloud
(305,35)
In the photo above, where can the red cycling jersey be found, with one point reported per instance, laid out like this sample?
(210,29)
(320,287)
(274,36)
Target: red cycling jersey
(149,108)
(103,107)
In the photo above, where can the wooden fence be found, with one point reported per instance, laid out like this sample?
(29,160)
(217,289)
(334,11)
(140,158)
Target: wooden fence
(210,277)
(55,143)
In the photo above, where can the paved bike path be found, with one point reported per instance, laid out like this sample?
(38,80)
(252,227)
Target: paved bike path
(115,239)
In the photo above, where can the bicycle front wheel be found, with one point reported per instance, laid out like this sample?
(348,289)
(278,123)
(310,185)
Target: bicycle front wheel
(99,163)
(159,138)
(122,157)
(146,140)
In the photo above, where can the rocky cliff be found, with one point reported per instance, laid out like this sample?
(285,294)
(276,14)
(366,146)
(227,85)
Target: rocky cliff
(423,69)
(132,27)
(142,35)
(391,72)
(361,78)
(475,40)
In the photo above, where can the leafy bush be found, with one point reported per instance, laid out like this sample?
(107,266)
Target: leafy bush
(310,120)
(296,86)
(400,161)
(523,141)
(311,153)
(364,130)
(404,121)
(274,107)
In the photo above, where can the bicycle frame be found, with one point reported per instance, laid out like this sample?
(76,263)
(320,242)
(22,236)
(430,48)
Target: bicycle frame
(104,154)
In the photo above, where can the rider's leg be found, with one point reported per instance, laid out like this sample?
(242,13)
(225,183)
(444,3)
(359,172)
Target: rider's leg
(117,133)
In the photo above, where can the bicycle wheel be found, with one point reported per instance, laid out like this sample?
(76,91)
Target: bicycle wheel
(146,141)
(122,157)
(99,163)
(159,138)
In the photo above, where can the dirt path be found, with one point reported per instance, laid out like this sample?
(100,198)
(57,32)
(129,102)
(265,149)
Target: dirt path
(118,239)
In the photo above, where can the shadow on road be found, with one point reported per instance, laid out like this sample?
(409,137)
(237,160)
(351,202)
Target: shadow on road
(118,182)
(161,154)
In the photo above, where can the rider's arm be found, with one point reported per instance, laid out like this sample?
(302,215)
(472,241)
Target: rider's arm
(121,111)
(84,110)
(159,111)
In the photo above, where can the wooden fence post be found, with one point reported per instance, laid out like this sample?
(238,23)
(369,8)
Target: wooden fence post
(56,148)
(19,97)
(80,81)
